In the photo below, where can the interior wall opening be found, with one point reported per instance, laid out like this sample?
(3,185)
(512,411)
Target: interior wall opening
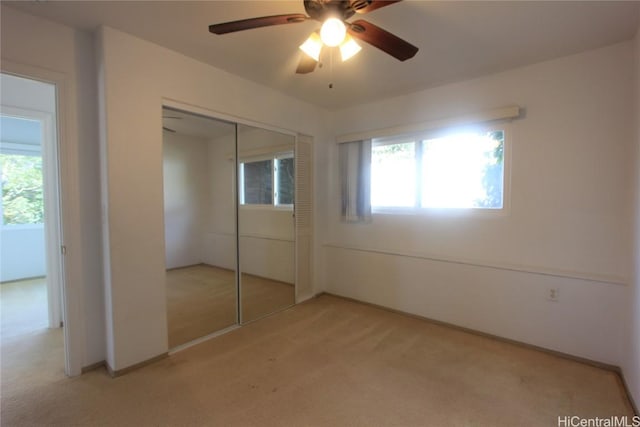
(30,261)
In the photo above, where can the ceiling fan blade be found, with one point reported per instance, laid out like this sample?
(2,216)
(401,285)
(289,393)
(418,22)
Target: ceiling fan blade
(366,6)
(306,65)
(264,21)
(382,39)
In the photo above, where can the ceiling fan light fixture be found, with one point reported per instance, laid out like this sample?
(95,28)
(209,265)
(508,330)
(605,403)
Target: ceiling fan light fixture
(333,32)
(312,46)
(349,48)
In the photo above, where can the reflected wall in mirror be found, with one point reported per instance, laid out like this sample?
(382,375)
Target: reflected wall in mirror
(265,221)
(200,225)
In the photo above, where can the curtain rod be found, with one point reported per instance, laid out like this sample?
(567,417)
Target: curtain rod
(504,113)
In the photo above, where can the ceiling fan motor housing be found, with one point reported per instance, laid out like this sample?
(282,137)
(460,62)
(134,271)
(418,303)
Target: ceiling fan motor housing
(341,9)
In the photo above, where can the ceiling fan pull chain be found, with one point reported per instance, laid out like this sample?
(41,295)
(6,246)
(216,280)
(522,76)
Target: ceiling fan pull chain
(330,68)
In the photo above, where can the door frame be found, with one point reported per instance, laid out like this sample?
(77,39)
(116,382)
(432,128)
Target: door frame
(50,188)
(67,237)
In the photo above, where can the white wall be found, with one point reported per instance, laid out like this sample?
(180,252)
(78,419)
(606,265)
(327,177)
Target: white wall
(266,234)
(135,77)
(567,226)
(219,247)
(32,46)
(22,252)
(186,198)
(267,243)
(631,367)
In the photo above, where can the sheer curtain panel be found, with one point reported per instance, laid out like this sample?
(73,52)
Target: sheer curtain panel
(355,180)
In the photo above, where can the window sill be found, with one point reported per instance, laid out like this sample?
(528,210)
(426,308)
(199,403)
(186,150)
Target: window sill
(441,212)
(18,227)
(284,208)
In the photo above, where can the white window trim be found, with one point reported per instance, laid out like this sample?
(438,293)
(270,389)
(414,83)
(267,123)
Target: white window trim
(273,156)
(416,137)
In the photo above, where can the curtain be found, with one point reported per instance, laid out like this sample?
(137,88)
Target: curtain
(355,179)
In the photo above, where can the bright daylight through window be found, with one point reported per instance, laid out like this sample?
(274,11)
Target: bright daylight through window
(460,170)
(22,197)
(267,181)
(22,201)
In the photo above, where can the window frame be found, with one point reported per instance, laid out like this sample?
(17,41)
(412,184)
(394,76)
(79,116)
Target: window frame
(418,137)
(273,157)
(29,150)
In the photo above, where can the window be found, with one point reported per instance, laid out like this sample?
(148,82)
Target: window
(22,196)
(454,170)
(268,181)
(257,182)
(21,179)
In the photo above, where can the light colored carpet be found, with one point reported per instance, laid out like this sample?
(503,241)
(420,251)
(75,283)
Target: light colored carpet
(30,354)
(201,299)
(24,307)
(327,362)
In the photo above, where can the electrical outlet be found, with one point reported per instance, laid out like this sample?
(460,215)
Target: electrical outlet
(553,294)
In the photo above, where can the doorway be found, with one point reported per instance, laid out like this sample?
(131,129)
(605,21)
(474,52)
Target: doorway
(30,261)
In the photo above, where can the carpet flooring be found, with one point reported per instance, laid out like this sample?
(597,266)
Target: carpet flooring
(327,362)
(201,299)
(23,306)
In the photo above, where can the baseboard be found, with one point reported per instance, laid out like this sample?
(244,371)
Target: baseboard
(93,367)
(613,368)
(182,267)
(113,373)
(6,282)
(200,340)
(268,278)
(204,264)
(629,395)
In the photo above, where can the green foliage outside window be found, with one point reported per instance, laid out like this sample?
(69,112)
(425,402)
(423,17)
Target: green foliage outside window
(493,174)
(22,195)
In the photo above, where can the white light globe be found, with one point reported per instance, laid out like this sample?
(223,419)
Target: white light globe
(333,32)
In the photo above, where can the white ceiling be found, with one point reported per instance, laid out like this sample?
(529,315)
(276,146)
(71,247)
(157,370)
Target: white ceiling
(457,40)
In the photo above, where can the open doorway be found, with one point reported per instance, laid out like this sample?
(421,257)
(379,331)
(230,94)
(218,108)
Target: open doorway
(30,262)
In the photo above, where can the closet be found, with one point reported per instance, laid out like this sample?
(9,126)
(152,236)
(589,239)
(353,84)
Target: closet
(231,222)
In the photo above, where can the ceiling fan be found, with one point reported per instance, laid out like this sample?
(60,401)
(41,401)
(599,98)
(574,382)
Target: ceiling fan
(335,31)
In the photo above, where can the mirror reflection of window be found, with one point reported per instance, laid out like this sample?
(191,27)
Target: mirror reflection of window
(228,200)
(266,184)
(257,182)
(268,181)
(285,176)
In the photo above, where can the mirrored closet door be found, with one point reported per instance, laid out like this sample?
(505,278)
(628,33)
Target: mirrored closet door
(229,223)
(266,229)
(200,225)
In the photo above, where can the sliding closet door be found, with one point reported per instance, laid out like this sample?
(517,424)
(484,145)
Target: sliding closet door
(266,195)
(200,225)
(304,217)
